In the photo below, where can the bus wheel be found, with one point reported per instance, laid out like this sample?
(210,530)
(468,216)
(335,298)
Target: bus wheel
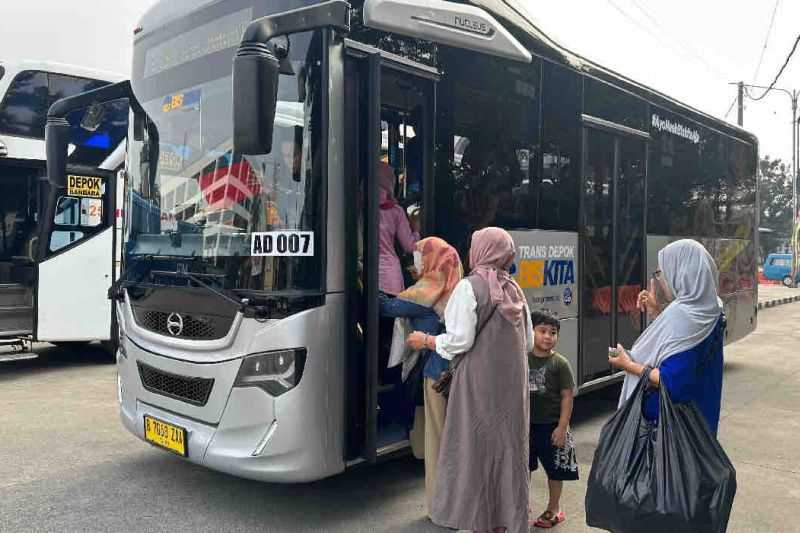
(788,281)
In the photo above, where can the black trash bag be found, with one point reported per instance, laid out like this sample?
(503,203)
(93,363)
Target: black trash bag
(666,477)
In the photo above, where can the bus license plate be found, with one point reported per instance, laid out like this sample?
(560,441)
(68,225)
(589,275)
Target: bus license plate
(172,438)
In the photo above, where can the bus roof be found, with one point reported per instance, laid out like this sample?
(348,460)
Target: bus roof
(519,21)
(12,67)
(519,18)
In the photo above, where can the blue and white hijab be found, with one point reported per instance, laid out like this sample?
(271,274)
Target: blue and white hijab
(692,278)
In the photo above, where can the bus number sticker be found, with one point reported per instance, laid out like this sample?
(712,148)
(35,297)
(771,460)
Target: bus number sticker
(282,244)
(84,186)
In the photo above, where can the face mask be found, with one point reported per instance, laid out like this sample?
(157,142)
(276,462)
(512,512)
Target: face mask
(418,261)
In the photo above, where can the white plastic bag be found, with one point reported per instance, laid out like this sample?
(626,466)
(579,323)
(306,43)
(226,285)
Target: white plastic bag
(399,350)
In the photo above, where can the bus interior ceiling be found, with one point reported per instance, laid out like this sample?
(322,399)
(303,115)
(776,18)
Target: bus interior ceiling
(18,218)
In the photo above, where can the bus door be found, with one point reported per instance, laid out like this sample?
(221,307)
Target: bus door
(72,293)
(389,110)
(20,181)
(613,251)
(76,233)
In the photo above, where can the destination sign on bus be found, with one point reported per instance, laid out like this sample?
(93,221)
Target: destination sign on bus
(204,40)
(675,128)
(84,186)
(181,100)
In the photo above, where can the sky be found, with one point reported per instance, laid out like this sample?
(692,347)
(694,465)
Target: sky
(688,49)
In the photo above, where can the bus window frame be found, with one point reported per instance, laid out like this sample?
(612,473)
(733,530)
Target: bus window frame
(109,210)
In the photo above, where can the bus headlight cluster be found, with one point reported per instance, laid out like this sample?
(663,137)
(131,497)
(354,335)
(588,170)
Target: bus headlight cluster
(275,372)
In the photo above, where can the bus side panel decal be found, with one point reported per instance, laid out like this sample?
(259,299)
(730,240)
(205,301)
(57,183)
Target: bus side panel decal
(547,270)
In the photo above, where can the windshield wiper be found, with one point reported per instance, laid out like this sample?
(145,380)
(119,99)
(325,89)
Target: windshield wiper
(244,305)
(241,303)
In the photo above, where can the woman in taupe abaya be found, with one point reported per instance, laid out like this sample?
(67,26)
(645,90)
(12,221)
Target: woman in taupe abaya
(482,482)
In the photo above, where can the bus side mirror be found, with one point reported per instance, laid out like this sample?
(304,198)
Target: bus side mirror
(56,136)
(256,70)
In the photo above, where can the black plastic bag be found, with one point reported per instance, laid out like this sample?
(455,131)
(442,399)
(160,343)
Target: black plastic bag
(666,477)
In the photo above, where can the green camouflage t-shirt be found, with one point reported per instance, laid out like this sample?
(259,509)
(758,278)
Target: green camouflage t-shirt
(547,377)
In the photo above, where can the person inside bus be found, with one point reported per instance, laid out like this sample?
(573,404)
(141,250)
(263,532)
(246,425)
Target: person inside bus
(394,227)
(682,347)
(438,267)
(482,478)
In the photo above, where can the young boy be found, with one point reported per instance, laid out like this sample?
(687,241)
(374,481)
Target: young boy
(551,393)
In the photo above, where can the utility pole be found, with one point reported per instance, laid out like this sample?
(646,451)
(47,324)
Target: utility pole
(740,120)
(794,95)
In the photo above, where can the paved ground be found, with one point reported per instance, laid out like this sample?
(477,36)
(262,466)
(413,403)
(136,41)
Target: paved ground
(775,292)
(66,464)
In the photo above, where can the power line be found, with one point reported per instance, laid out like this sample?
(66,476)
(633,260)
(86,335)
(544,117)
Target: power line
(735,98)
(686,48)
(780,72)
(766,40)
(666,43)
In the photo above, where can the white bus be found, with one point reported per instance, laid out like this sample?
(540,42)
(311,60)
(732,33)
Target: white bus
(248,306)
(53,285)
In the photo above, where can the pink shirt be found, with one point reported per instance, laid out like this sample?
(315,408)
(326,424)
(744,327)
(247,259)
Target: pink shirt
(393,225)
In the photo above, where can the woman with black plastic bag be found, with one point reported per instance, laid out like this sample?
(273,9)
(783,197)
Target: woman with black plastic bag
(658,466)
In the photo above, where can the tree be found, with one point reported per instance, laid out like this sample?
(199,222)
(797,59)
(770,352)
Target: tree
(775,195)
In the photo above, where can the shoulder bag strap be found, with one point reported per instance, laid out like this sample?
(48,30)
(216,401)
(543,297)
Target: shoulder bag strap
(456,360)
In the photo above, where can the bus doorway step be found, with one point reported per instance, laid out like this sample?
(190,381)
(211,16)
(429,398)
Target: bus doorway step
(17,356)
(21,350)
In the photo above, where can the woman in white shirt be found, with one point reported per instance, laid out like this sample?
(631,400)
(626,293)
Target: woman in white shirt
(484,450)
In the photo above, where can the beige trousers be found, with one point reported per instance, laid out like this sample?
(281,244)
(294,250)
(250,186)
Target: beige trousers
(435,408)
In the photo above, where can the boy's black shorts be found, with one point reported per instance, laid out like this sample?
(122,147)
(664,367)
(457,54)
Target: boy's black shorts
(561,464)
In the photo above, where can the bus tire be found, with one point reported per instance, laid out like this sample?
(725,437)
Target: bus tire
(787,281)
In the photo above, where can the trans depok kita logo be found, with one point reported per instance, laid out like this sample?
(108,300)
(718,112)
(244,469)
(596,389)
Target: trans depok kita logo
(545,272)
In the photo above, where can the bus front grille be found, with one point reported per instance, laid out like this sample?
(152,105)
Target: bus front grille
(191,326)
(186,389)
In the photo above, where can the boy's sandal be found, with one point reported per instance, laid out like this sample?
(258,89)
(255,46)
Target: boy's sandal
(548,520)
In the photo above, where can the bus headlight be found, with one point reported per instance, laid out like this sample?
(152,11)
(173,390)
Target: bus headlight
(275,372)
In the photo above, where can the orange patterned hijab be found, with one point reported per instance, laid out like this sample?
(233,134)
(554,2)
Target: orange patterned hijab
(441,272)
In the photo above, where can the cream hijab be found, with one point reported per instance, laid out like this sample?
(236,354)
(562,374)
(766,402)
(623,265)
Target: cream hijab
(692,278)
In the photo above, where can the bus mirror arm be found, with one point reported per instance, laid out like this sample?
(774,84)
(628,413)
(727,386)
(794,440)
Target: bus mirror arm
(259,62)
(56,135)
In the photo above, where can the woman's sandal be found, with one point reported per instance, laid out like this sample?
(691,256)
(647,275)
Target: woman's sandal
(549,520)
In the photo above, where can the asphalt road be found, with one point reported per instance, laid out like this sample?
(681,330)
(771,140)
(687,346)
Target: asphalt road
(66,463)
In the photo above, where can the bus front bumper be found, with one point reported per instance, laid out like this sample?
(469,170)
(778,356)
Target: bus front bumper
(248,442)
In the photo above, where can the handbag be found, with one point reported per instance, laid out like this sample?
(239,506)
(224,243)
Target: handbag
(442,385)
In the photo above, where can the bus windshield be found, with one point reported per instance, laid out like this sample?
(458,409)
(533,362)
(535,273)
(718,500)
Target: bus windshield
(190,196)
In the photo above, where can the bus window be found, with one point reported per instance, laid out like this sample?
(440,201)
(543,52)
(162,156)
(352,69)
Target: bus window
(557,185)
(82,213)
(60,239)
(23,111)
(62,86)
(93,146)
(487,160)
